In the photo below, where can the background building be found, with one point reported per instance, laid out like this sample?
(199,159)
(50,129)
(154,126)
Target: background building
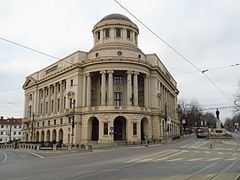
(114,92)
(10,129)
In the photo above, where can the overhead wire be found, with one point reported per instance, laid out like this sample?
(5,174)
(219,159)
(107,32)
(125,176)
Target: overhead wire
(174,50)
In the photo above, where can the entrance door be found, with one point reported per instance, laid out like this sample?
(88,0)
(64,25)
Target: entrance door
(120,129)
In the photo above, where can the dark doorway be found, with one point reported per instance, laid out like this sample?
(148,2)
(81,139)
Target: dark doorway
(144,129)
(120,129)
(95,129)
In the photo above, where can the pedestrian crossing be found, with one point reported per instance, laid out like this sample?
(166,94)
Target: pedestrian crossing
(174,155)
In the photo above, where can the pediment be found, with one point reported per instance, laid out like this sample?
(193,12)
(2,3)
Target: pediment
(29,82)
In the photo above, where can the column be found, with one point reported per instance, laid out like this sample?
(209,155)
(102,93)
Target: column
(44,101)
(88,89)
(110,88)
(84,91)
(25,106)
(61,96)
(129,88)
(146,91)
(135,89)
(55,97)
(49,99)
(103,87)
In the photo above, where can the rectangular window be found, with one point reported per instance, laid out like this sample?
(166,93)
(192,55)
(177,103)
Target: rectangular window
(98,35)
(105,128)
(58,104)
(1,126)
(46,107)
(41,108)
(48,123)
(30,111)
(128,33)
(107,33)
(1,133)
(55,122)
(118,32)
(118,98)
(14,133)
(38,124)
(70,103)
(134,128)
(69,119)
(117,79)
(64,102)
(43,124)
(58,87)
(52,106)
(61,121)
(19,133)
(71,82)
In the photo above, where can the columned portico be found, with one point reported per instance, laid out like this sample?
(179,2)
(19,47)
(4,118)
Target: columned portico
(110,88)
(135,89)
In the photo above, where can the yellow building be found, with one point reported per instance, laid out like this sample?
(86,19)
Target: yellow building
(114,92)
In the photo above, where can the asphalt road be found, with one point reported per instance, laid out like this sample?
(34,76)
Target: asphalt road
(187,158)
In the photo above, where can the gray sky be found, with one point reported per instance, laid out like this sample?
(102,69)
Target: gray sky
(206,32)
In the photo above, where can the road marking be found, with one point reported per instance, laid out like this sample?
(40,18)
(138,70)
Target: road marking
(213,159)
(35,154)
(196,159)
(231,159)
(176,159)
(167,157)
(5,157)
(207,152)
(220,152)
(143,160)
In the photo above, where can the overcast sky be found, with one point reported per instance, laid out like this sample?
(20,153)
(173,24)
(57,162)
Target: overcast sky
(206,32)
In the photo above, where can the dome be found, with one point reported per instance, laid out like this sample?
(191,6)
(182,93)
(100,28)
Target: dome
(115,16)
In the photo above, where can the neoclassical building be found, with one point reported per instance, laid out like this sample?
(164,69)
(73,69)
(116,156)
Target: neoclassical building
(114,92)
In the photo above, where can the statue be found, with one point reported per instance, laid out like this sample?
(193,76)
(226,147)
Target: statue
(217,113)
(218,122)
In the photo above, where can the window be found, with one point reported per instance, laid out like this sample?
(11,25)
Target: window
(48,123)
(71,83)
(47,91)
(118,32)
(46,107)
(1,133)
(61,121)
(38,124)
(64,102)
(14,133)
(98,35)
(58,104)
(136,38)
(107,33)
(43,124)
(54,122)
(58,86)
(41,108)
(128,33)
(52,106)
(20,126)
(69,119)
(134,128)
(105,128)
(1,126)
(19,133)
(118,98)
(30,97)
(70,103)
(118,79)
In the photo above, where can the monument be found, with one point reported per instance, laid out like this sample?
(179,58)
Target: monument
(218,122)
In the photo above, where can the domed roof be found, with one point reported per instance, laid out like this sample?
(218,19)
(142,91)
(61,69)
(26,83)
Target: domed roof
(115,16)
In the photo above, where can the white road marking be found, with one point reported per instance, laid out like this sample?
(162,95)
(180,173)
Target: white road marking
(220,152)
(196,159)
(176,159)
(231,159)
(5,157)
(213,159)
(167,157)
(207,152)
(35,154)
(144,160)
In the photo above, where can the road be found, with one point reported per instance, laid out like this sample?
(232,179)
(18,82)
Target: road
(187,158)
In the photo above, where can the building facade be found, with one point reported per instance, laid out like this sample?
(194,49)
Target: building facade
(10,129)
(114,92)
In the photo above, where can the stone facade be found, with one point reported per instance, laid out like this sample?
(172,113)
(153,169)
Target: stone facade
(114,92)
